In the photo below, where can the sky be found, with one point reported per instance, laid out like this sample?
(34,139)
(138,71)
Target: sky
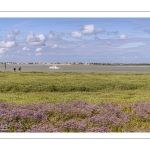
(87,40)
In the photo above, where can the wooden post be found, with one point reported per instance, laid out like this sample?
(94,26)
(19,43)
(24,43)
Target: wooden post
(5,66)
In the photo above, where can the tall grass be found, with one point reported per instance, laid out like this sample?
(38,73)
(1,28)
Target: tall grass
(91,87)
(72,82)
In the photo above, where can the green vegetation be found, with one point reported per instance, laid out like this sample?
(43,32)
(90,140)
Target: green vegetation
(35,87)
(129,90)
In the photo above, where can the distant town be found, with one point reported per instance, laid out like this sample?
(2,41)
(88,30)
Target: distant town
(72,63)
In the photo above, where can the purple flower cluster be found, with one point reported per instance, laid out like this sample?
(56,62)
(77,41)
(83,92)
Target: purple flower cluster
(78,116)
(141,110)
(42,127)
(72,126)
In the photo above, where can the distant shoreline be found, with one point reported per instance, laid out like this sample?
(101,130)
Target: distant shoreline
(83,64)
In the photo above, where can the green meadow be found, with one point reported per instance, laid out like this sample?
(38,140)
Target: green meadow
(36,87)
(128,90)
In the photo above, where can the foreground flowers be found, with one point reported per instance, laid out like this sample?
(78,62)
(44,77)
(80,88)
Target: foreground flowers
(78,116)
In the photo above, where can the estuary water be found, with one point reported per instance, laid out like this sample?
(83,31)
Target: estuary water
(74,68)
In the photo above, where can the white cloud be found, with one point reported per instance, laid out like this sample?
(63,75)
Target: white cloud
(55,46)
(41,37)
(38,40)
(38,49)
(11,37)
(123,37)
(88,29)
(38,54)
(3,50)
(9,41)
(99,30)
(76,34)
(7,44)
(52,35)
(25,49)
(60,34)
(15,31)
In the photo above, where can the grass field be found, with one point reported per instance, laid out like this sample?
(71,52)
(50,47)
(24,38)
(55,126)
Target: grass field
(68,87)
(75,102)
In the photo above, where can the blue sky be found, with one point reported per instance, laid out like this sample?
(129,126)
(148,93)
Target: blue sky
(102,40)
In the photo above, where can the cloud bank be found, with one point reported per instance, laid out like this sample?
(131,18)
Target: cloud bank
(38,40)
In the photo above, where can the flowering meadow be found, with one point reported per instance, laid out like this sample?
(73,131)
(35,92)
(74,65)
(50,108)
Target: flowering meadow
(74,102)
(77,116)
